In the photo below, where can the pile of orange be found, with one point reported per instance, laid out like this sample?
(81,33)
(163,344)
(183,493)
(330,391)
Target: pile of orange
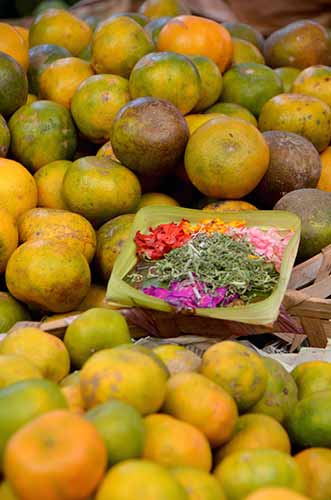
(88,117)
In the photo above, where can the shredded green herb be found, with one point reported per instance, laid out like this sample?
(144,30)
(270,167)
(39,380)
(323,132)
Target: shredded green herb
(219,261)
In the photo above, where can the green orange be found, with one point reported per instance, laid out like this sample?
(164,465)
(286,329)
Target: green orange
(122,429)
(42,132)
(251,85)
(100,189)
(169,76)
(110,239)
(233,110)
(96,103)
(94,330)
(211,82)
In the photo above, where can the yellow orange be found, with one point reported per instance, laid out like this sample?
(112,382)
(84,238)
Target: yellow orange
(60,80)
(324,182)
(18,190)
(13,44)
(173,443)
(49,180)
(43,350)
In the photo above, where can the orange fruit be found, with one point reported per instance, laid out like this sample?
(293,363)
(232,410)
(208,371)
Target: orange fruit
(100,189)
(8,237)
(159,8)
(314,81)
(195,121)
(245,32)
(216,417)
(309,424)
(300,44)
(304,115)
(238,370)
(256,431)
(24,401)
(251,85)
(229,206)
(173,443)
(159,199)
(198,484)
(178,359)
(122,428)
(42,132)
(13,44)
(147,121)
(233,110)
(244,51)
(43,350)
(49,180)
(40,57)
(96,103)
(60,80)
(57,277)
(118,44)
(70,445)
(275,494)
(60,27)
(315,464)
(287,75)
(15,368)
(13,85)
(247,471)
(124,373)
(211,82)
(93,331)
(11,312)
(324,182)
(281,394)
(18,190)
(312,377)
(238,158)
(128,479)
(107,151)
(70,387)
(193,35)
(110,239)
(58,225)
(182,85)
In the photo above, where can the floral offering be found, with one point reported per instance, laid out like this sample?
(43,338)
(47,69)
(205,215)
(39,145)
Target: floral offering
(209,264)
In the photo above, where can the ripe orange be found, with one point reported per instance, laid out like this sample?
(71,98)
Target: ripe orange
(324,182)
(69,445)
(216,417)
(18,190)
(238,158)
(174,443)
(60,27)
(43,350)
(60,80)
(141,479)
(193,35)
(13,44)
(49,180)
